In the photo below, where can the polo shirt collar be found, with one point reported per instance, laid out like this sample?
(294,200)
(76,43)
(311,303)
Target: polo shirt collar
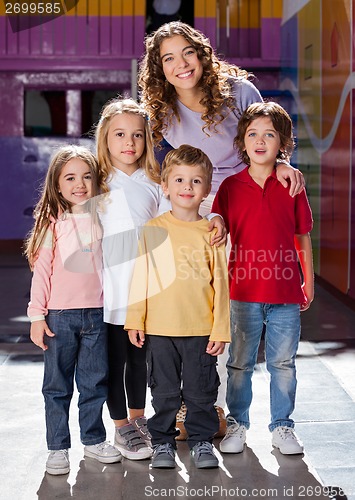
(245,177)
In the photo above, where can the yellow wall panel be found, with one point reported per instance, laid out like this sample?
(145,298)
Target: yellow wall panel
(94,7)
(234,17)
(81,9)
(211,8)
(205,8)
(309,63)
(222,13)
(336,54)
(127,8)
(271,8)
(255,14)
(199,8)
(139,7)
(277,8)
(105,9)
(266,8)
(116,8)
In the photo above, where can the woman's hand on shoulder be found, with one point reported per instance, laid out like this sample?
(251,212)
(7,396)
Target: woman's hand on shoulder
(285,172)
(221,235)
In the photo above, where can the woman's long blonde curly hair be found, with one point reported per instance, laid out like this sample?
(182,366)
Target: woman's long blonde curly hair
(159,96)
(123,106)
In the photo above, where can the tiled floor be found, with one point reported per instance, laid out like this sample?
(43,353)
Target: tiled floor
(325,419)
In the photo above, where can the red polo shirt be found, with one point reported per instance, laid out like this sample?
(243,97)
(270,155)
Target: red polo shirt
(262,222)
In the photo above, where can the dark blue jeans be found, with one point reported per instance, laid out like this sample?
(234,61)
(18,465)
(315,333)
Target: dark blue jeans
(179,369)
(79,349)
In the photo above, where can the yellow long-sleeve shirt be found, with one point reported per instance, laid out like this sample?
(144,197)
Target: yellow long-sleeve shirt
(180,282)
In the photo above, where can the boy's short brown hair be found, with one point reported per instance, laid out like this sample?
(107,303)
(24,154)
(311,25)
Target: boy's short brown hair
(281,121)
(187,155)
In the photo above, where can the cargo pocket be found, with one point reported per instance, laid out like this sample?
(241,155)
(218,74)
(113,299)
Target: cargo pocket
(209,379)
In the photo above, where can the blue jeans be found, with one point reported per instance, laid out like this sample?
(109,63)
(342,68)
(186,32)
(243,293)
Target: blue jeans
(78,349)
(282,322)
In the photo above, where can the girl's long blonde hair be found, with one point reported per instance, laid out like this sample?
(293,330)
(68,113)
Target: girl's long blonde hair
(160,97)
(119,107)
(52,204)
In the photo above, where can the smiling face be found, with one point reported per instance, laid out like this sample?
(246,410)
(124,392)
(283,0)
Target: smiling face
(126,141)
(262,142)
(75,182)
(181,66)
(186,187)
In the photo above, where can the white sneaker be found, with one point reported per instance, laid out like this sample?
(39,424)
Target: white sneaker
(58,462)
(234,440)
(103,452)
(285,439)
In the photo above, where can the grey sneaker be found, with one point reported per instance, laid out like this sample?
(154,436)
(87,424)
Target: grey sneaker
(285,439)
(234,440)
(163,456)
(130,443)
(140,423)
(58,462)
(103,452)
(204,456)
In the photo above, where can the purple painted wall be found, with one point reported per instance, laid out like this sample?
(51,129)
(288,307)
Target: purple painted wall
(73,41)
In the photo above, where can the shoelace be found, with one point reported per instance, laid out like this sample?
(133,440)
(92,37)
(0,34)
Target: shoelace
(287,433)
(204,448)
(103,446)
(164,448)
(234,430)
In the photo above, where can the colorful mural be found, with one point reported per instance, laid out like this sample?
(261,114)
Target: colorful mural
(322,88)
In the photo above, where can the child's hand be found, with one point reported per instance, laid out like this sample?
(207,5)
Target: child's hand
(215,348)
(37,332)
(285,171)
(137,337)
(221,235)
(305,305)
(308,293)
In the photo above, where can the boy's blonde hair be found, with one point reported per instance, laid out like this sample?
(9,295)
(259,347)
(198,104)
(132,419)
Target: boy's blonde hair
(187,155)
(115,107)
(281,121)
(52,204)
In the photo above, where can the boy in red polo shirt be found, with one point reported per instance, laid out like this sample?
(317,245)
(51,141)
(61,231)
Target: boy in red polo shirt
(270,238)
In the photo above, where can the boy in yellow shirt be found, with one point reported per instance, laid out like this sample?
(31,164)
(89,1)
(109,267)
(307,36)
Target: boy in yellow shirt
(179,306)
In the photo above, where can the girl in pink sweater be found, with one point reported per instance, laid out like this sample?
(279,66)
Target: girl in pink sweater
(64,252)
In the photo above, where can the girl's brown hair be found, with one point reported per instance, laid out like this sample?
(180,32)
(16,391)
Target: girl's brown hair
(118,107)
(160,97)
(52,204)
(281,122)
